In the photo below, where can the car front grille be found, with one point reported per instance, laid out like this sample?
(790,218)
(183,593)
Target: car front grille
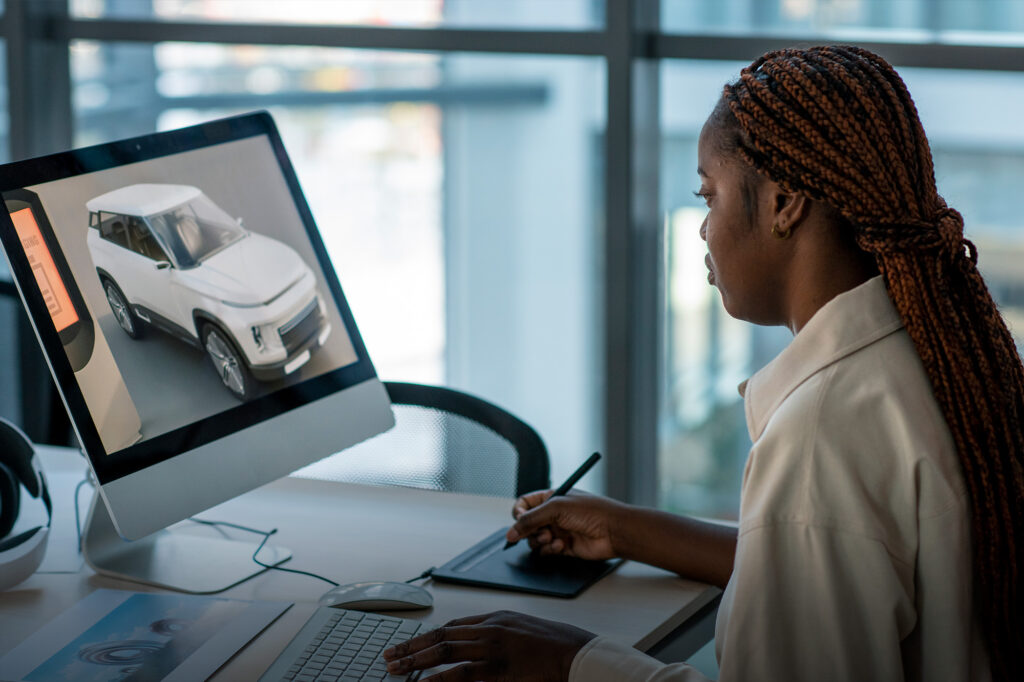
(302,327)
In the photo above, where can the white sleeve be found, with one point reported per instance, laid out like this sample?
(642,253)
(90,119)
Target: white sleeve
(810,602)
(605,660)
(805,603)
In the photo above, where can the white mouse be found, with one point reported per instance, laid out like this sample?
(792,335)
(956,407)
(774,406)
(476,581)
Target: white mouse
(378,597)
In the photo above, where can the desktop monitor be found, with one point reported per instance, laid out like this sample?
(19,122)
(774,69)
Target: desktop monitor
(194,326)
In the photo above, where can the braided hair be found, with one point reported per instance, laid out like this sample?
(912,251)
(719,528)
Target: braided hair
(837,125)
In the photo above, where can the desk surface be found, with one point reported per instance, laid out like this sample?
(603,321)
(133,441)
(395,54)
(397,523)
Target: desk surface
(353,533)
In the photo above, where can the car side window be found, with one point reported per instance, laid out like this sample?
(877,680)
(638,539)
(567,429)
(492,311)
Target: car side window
(113,228)
(142,241)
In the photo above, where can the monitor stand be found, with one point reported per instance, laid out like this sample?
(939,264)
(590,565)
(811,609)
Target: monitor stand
(174,558)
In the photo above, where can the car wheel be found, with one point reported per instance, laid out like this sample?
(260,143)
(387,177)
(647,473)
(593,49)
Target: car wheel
(126,319)
(228,363)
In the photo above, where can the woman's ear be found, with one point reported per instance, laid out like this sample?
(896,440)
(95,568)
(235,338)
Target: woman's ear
(789,209)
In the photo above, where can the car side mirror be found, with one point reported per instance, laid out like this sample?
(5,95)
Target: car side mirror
(240,222)
(162,265)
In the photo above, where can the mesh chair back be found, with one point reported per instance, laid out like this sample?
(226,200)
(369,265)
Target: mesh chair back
(444,440)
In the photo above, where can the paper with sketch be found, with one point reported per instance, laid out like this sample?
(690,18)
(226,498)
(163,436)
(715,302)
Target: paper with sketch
(113,635)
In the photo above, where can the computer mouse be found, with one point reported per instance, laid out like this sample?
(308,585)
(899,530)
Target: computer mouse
(378,597)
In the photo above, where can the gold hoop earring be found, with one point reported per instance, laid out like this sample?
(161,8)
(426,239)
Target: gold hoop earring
(781,234)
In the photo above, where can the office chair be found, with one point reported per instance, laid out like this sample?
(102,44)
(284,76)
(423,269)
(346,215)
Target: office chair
(444,440)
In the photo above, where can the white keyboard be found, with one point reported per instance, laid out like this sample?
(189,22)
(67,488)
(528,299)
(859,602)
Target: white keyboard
(337,645)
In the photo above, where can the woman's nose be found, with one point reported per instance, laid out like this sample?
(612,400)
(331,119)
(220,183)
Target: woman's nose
(704,230)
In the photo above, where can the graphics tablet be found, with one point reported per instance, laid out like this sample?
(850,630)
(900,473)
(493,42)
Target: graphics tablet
(486,564)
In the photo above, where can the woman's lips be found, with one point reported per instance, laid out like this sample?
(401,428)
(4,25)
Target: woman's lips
(711,272)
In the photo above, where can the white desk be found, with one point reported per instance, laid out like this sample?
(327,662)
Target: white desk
(353,533)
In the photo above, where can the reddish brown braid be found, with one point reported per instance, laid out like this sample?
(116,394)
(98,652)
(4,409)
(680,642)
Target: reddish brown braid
(838,125)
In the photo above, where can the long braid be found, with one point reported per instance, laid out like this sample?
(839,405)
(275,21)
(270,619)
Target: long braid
(838,125)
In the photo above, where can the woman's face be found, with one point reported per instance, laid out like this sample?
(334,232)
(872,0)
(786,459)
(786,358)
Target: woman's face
(741,260)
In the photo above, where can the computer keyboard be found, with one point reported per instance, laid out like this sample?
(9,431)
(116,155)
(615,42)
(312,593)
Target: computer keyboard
(344,646)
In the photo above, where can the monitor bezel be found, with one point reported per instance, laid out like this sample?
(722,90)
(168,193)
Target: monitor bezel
(110,467)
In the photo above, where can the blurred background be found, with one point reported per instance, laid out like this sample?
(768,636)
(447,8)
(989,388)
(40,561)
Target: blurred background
(505,186)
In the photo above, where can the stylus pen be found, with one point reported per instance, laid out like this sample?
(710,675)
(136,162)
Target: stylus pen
(569,483)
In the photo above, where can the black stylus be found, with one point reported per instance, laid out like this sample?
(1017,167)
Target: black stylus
(569,483)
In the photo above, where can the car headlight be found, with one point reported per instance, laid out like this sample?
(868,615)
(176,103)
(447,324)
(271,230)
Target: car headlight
(266,338)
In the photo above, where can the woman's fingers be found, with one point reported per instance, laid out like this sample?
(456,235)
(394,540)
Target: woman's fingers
(460,640)
(529,501)
(467,620)
(496,646)
(444,651)
(556,546)
(539,539)
(532,521)
(456,630)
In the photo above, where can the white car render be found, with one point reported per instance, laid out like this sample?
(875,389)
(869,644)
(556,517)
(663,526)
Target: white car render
(170,258)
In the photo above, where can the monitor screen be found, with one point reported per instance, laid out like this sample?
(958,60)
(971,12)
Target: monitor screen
(180,289)
(51,286)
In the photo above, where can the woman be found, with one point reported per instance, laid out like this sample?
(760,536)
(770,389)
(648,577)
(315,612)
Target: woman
(881,528)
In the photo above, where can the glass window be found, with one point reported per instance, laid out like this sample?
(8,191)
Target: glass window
(113,228)
(559,14)
(845,19)
(978,147)
(4,129)
(979,163)
(458,196)
(703,440)
(10,388)
(5,139)
(10,306)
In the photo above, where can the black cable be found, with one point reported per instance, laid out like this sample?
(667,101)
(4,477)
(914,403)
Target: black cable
(425,574)
(287,570)
(230,525)
(266,536)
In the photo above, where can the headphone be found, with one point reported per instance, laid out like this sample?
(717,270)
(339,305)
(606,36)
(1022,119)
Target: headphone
(21,554)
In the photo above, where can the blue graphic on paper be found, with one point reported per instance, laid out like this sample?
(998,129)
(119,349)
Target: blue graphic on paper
(142,638)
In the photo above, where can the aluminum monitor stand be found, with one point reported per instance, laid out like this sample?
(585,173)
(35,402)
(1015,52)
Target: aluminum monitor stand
(174,558)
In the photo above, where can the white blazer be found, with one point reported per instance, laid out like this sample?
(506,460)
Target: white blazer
(854,552)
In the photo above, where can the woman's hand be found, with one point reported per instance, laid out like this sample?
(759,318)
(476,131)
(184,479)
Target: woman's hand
(496,647)
(576,524)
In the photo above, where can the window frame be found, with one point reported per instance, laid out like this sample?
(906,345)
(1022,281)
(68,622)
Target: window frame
(38,34)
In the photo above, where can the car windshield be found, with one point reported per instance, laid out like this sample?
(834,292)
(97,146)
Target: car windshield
(195,230)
